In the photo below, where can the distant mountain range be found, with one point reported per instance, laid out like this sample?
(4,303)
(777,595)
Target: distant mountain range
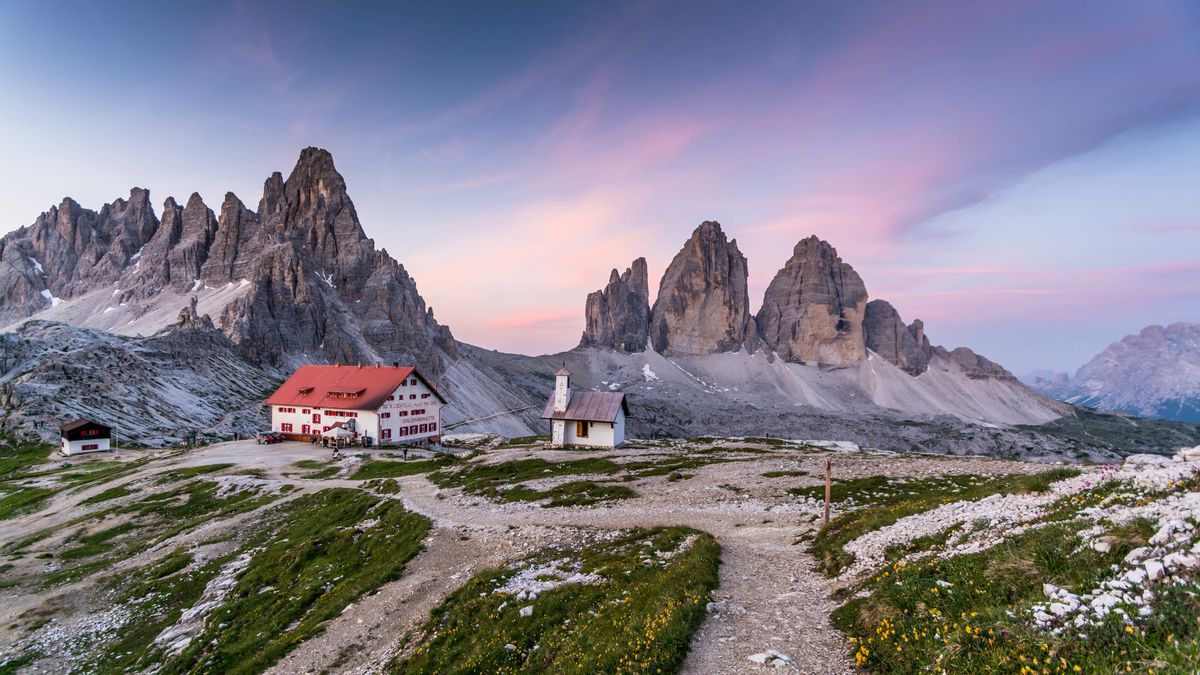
(182,323)
(1155,373)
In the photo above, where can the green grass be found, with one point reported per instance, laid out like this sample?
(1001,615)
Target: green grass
(97,543)
(327,472)
(186,472)
(386,469)
(662,466)
(908,623)
(149,522)
(111,493)
(638,619)
(523,440)
(314,564)
(384,486)
(17,456)
(785,474)
(156,596)
(23,500)
(503,482)
(890,500)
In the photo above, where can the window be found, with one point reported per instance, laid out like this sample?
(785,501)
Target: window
(424,395)
(385,415)
(418,411)
(91,432)
(91,446)
(305,411)
(422,429)
(413,382)
(286,428)
(325,428)
(433,426)
(402,413)
(581,429)
(412,396)
(385,434)
(404,383)
(305,429)
(317,419)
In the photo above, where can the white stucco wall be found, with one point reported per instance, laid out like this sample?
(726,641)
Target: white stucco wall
(403,414)
(76,447)
(600,434)
(410,407)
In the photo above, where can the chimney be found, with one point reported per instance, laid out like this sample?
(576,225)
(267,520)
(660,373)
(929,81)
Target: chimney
(562,389)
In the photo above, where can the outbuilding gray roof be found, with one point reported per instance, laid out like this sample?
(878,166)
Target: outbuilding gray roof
(589,406)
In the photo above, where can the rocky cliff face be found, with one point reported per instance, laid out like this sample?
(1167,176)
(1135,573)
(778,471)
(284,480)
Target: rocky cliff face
(702,305)
(813,309)
(310,284)
(1155,373)
(975,366)
(618,316)
(70,250)
(887,336)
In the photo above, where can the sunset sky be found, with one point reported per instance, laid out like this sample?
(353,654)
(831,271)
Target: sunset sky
(1024,176)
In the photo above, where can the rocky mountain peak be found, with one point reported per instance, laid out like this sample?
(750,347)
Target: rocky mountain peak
(702,305)
(618,316)
(813,309)
(887,336)
(1155,373)
(301,281)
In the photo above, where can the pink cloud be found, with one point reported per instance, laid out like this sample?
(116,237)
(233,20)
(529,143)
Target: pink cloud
(1066,296)
(536,319)
(1169,226)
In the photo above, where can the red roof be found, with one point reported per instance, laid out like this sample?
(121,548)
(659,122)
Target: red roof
(344,387)
(591,406)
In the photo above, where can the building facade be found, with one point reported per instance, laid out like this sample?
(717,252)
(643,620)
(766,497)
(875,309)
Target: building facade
(390,405)
(80,436)
(590,418)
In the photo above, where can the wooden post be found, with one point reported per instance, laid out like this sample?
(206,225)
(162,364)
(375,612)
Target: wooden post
(828,488)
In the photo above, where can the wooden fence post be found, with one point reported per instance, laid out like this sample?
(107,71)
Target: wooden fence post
(828,482)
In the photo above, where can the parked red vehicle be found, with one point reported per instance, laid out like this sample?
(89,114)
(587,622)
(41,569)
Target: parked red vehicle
(269,438)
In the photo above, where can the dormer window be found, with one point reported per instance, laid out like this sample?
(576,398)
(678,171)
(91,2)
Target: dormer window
(305,391)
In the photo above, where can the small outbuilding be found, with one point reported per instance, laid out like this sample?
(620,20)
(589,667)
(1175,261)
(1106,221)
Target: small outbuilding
(591,418)
(80,436)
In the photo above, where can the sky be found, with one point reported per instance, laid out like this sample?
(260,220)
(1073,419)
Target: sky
(1023,176)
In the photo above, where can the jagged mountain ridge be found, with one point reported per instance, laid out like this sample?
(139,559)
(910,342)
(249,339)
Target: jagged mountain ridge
(814,312)
(1155,373)
(295,281)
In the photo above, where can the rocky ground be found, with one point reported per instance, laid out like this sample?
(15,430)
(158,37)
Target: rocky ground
(771,609)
